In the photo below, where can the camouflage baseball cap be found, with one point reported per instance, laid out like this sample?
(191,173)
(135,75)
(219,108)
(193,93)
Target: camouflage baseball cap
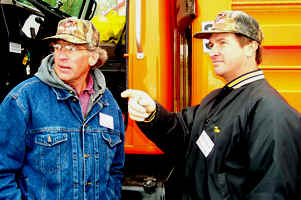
(234,22)
(77,31)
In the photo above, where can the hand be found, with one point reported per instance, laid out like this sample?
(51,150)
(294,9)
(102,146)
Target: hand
(140,105)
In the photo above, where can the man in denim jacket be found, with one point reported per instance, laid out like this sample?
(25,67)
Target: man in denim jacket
(61,132)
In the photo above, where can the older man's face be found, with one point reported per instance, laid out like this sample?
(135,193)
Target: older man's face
(71,62)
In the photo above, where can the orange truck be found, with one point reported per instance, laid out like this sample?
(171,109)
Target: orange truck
(151,48)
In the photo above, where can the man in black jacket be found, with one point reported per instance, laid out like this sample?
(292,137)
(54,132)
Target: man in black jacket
(243,141)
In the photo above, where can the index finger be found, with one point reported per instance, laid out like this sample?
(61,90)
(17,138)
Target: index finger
(130,93)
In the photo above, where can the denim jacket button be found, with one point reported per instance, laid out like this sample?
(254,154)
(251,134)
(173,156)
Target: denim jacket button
(88,183)
(86,155)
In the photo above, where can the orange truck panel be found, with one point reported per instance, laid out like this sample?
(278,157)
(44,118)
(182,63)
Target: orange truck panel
(150,73)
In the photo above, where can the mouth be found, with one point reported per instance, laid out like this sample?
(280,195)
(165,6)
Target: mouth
(63,67)
(216,62)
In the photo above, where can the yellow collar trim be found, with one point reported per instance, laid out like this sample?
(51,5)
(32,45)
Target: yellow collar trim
(246,78)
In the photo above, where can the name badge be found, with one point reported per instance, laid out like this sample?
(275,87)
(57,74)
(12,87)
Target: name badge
(106,120)
(205,143)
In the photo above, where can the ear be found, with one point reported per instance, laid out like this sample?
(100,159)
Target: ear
(250,49)
(94,56)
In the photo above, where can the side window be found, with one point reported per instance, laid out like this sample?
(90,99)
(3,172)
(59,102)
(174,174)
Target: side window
(105,6)
(110,19)
(69,7)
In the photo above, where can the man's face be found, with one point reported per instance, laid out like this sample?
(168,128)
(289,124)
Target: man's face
(227,56)
(71,62)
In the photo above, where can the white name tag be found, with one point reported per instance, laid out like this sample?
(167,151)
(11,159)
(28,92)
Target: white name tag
(205,143)
(106,120)
(15,47)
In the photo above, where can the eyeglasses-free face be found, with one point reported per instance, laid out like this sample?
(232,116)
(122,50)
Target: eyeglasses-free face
(228,57)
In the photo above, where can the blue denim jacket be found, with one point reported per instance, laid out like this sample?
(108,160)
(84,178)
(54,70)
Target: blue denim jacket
(49,150)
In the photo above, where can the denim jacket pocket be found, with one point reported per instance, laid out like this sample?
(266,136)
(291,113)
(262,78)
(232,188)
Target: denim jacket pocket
(51,150)
(112,139)
(50,139)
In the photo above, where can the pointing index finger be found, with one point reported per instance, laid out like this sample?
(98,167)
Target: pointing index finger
(129,93)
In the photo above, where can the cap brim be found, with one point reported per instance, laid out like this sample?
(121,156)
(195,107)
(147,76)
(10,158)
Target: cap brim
(202,35)
(207,34)
(68,38)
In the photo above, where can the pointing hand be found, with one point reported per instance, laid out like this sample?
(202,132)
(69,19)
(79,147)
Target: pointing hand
(140,104)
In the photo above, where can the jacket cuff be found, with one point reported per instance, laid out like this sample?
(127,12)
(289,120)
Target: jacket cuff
(151,116)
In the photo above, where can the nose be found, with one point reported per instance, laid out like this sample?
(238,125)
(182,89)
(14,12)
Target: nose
(213,51)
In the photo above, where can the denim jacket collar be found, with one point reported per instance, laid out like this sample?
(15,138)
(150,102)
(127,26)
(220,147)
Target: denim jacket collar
(62,94)
(63,91)
(47,75)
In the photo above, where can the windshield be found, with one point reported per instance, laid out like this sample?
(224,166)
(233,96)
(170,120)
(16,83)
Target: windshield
(69,7)
(74,7)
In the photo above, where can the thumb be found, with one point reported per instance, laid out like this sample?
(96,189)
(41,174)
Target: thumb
(148,103)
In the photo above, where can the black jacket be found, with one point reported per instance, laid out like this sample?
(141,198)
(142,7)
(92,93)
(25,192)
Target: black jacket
(257,145)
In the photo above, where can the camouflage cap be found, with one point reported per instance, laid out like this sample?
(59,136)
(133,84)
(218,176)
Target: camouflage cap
(234,22)
(77,31)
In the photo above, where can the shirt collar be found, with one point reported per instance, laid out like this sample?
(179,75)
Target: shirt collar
(245,79)
(89,87)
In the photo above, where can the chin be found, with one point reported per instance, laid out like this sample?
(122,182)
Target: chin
(218,71)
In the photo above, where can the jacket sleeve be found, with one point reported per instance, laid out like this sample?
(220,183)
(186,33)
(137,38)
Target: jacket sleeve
(170,131)
(116,174)
(12,143)
(274,151)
